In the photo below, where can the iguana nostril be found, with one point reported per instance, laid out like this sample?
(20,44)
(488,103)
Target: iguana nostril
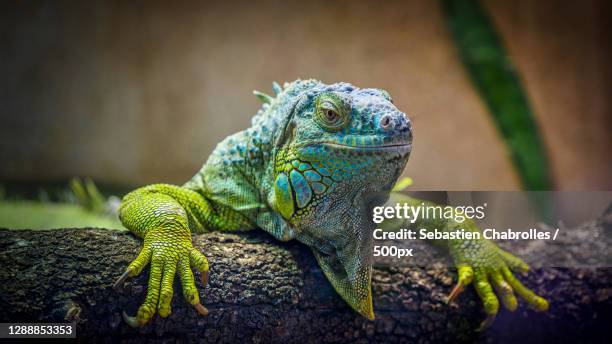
(386,122)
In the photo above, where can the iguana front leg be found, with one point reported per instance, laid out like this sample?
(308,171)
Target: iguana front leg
(479,262)
(165,215)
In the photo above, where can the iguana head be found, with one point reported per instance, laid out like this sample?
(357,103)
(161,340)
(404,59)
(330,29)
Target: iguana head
(336,146)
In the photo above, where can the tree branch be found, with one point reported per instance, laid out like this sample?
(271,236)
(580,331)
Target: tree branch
(261,290)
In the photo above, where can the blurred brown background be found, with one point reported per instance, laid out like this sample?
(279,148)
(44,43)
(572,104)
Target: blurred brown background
(139,92)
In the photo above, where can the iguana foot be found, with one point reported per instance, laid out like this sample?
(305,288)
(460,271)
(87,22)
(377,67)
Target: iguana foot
(167,252)
(489,267)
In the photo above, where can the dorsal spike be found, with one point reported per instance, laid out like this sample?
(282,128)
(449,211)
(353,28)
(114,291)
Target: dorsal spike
(266,99)
(277,88)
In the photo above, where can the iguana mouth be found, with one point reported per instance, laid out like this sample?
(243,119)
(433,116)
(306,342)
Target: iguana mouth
(398,147)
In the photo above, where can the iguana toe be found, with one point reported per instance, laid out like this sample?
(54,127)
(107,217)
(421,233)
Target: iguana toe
(504,290)
(537,302)
(166,289)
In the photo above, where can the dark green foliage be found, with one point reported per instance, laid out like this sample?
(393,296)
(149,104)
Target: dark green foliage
(493,74)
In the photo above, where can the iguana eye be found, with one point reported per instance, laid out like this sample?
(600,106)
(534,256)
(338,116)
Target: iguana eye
(331,113)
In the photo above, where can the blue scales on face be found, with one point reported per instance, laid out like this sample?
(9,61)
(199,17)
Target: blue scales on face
(302,191)
(339,138)
(299,184)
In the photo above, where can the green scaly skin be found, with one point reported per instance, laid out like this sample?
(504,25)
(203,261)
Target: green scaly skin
(303,170)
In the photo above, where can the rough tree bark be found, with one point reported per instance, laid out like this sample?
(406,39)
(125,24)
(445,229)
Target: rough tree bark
(261,290)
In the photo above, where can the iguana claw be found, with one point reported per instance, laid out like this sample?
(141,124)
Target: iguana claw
(135,323)
(122,278)
(458,289)
(131,321)
(201,309)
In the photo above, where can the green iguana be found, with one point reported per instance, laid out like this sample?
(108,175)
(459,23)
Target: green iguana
(301,171)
